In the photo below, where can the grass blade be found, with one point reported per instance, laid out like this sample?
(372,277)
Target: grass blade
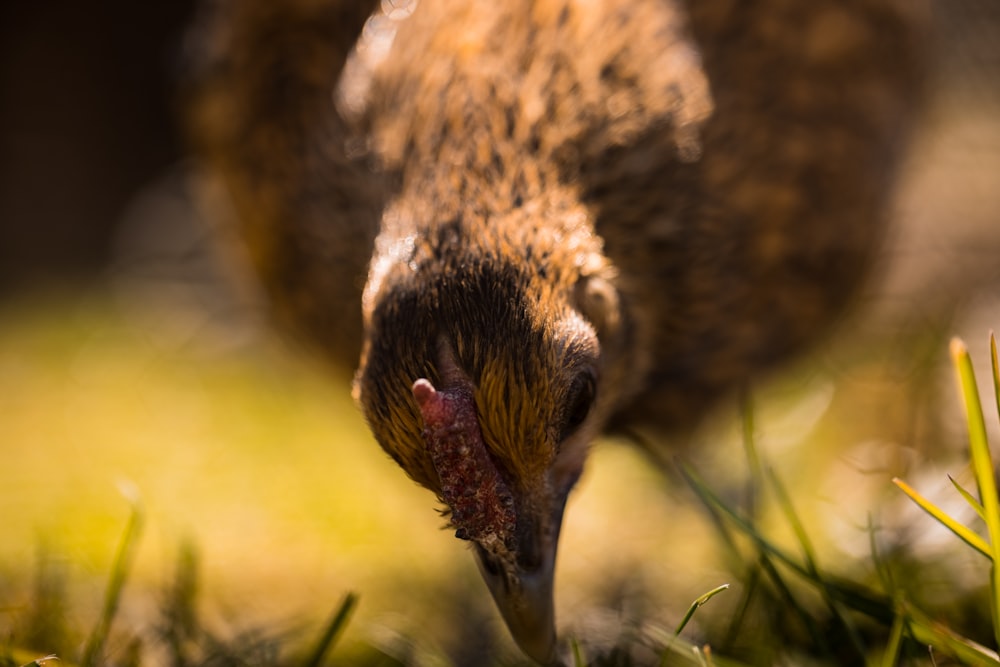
(332,631)
(40,662)
(755,483)
(996,369)
(577,654)
(119,573)
(891,655)
(969,498)
(966,535)
(698,603)
(931,633)
(982,466)
(792,517)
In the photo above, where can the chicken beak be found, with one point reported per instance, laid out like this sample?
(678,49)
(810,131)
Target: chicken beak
(526,604)
(523,591)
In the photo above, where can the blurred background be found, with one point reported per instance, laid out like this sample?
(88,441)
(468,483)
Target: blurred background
(133,365)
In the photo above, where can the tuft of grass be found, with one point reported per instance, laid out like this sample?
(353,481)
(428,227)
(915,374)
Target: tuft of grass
(988,505)
(181,636)
(982,463)
(846,601)
(768,556)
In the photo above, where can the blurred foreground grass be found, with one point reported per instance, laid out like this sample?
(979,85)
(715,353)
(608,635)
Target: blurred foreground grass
(260,462)
(261,489)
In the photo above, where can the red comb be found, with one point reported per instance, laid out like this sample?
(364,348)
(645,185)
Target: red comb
(482,506)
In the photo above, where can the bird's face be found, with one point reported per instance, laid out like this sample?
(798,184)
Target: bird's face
(482,383)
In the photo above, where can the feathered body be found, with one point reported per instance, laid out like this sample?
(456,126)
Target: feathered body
(575,214)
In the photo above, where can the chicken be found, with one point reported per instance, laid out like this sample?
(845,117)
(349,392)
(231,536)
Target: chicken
(541,221)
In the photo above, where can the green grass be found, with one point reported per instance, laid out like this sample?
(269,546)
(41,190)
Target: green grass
(265,528)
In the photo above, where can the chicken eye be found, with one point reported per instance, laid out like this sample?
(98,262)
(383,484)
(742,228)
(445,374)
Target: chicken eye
(579,400)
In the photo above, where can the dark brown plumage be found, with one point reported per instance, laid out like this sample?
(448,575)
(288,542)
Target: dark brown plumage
(538,221)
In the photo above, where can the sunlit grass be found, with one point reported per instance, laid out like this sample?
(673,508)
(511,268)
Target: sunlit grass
(988,505)
(266,467)
(276,532)
(264,464)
